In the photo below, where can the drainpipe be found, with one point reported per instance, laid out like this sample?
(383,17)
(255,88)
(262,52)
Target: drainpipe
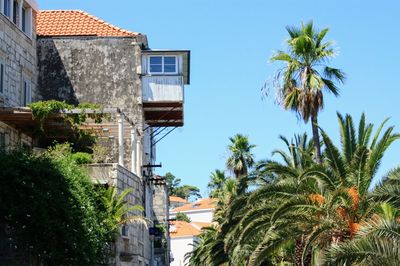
(120,140)
(133,151)
(138,158)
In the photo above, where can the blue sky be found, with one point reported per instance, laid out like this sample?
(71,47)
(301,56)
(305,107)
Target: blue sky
(231,42)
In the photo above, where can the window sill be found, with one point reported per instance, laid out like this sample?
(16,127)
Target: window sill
(29,36)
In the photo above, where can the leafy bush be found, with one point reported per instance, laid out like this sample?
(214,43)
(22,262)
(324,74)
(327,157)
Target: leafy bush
(82,158)
(52,211)
(100,153)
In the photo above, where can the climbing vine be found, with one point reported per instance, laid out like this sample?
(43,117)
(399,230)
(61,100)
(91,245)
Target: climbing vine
(42,110)
(83,139)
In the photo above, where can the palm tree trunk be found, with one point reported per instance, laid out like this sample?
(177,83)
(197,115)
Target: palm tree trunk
(300,244)
(317,143)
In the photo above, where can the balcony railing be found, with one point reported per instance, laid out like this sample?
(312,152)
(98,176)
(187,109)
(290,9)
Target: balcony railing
(162,89)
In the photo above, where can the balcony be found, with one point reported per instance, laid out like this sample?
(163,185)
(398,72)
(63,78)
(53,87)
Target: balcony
(164,75)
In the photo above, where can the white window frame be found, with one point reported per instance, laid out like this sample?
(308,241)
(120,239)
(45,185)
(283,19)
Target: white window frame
(162,65)
(28,19)
(26,94)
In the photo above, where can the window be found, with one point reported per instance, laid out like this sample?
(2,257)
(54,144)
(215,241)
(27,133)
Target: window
(163,64)
(26,93)
(23,22)
(2,141)
(26,20)
(2,76)
(7,7)
(15,12)
(124,230)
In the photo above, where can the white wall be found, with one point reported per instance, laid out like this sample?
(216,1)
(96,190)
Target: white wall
(205,216)
(179,247)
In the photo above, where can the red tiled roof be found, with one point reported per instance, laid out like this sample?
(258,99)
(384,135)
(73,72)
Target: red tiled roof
(201,204)
(76,23)
(182,228)
(177,199)
(201,225)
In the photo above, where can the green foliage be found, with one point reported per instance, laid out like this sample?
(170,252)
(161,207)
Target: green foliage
(182,217)
(187,191)
(161,227)
(216,183)
(82,158)
(301,212)
(184,191)
(118,210)
(100,153)
(43,109)
(172,182)
(53,212)
(306,76)
(241,158)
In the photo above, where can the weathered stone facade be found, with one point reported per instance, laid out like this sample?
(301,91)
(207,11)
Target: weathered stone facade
(92,69)
(106,71)
(19,60)
(18,53)
(161,215)
(133,244)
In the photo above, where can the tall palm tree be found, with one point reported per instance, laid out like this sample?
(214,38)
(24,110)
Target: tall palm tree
(321,205)
(306,76)
(216,184)
(241,157)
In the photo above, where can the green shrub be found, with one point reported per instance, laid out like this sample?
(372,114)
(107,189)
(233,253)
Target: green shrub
(82,158)
(52,211)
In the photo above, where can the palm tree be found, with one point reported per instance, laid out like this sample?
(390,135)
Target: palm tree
(216,183)
(306,75)
(322,205)
(377,242)
(121,212)
(241,158)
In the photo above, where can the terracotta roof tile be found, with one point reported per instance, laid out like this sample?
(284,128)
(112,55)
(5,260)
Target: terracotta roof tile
(182,228)
(177,199)
(201,204)
(76,23)
(201,225)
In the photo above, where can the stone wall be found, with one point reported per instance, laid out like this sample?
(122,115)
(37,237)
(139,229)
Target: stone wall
(18,52)
(161,215)
(92,69)
(135,245)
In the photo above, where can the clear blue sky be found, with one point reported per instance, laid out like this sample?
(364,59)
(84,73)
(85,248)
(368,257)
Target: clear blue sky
(231,42)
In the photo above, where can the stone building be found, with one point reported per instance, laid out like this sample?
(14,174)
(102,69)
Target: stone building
(18,61)
(75,57)
(83,59)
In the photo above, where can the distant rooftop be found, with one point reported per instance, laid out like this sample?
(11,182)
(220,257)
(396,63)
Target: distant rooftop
(201,204)
(177,199)
(76,23)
